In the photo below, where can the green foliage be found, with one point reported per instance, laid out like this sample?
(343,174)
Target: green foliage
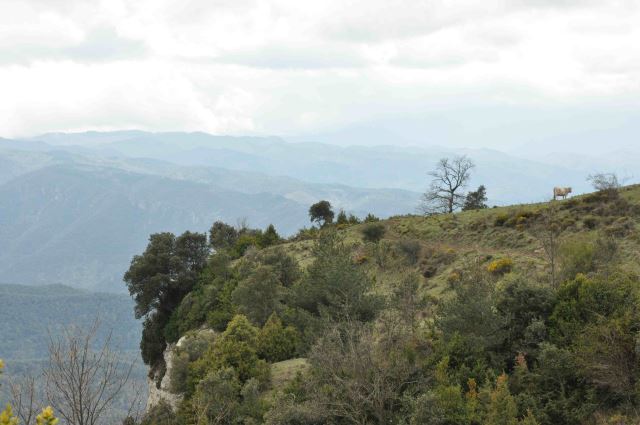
(411,249)
(221,398)
(245,241)
(236,348)
(275,342)
(259,295)
(587,255)
(501,219)
(518,218)
(526,306)
(476,200)
(502,408)
(334,286)
(153,341)
(160,414)
(471,315)
(583,301)
(577,256)
(283,265)
(222,236)
(375,342)
(353,219)
(193,348)
(373,232)
(445,403)
(370,218)
(159,279)
(269,237)
(407,300)
(321,212)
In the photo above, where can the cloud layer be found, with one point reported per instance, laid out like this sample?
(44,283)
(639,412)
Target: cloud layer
(299,68)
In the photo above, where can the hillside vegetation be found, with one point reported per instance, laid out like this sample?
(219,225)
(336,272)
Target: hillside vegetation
(524,314)
(30,314)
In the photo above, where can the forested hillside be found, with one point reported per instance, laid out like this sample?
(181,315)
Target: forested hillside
(524,314)
(81,216)
(30,314)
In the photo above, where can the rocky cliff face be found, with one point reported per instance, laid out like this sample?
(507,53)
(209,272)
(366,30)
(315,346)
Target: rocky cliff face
(204,337)
(163,392)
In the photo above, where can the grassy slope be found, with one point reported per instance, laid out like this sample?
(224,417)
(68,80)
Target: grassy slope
(450,241)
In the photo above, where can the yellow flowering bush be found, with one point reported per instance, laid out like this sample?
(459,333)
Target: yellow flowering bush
(501,266)
(45,418)
(7,418)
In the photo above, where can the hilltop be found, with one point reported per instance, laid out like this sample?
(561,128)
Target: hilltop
(423,319)
(451,241)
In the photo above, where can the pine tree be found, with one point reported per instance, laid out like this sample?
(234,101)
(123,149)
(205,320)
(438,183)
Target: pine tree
(502,406)
(476,200)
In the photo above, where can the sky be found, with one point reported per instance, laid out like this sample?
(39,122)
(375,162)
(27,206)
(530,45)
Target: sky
(519,75)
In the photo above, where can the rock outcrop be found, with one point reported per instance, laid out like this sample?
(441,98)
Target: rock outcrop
(157,393)
(163,391)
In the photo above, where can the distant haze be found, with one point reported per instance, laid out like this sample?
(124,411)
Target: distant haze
(75,207)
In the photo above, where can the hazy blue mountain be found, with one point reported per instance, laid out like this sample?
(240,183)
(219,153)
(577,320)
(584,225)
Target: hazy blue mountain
(30,313)
(82,226)
(74,208)
(361,166)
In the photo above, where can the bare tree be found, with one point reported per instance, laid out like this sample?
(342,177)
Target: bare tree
(604,182)
(24,398)
(366,372)
(549,236)
(449,179)
(82,383)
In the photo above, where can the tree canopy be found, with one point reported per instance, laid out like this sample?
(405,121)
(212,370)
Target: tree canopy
(321,212)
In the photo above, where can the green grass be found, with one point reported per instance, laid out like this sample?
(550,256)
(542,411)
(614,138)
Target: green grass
(452,241)
(285,371)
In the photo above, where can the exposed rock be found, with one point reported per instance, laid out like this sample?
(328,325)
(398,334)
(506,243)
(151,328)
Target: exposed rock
(164,391)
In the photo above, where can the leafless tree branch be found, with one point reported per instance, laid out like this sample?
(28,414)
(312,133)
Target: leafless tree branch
(83,382)
(450,176)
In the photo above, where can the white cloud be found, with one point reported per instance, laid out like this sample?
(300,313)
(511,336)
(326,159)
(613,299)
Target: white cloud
(291,67)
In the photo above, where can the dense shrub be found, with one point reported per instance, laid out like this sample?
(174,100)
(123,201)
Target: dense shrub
(590,222)
(160,414)
(235,348)
(411,249)
(373,232)
(334,286)
(577,256)
(500,266)
(259,295)
(276,342)
(501,219)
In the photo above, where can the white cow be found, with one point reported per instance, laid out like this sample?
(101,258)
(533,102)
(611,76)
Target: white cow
(561,191)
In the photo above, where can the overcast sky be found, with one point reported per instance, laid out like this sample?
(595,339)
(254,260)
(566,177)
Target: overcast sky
(472,73)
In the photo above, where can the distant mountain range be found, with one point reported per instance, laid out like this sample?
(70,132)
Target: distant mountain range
(29,314)
(74,208)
